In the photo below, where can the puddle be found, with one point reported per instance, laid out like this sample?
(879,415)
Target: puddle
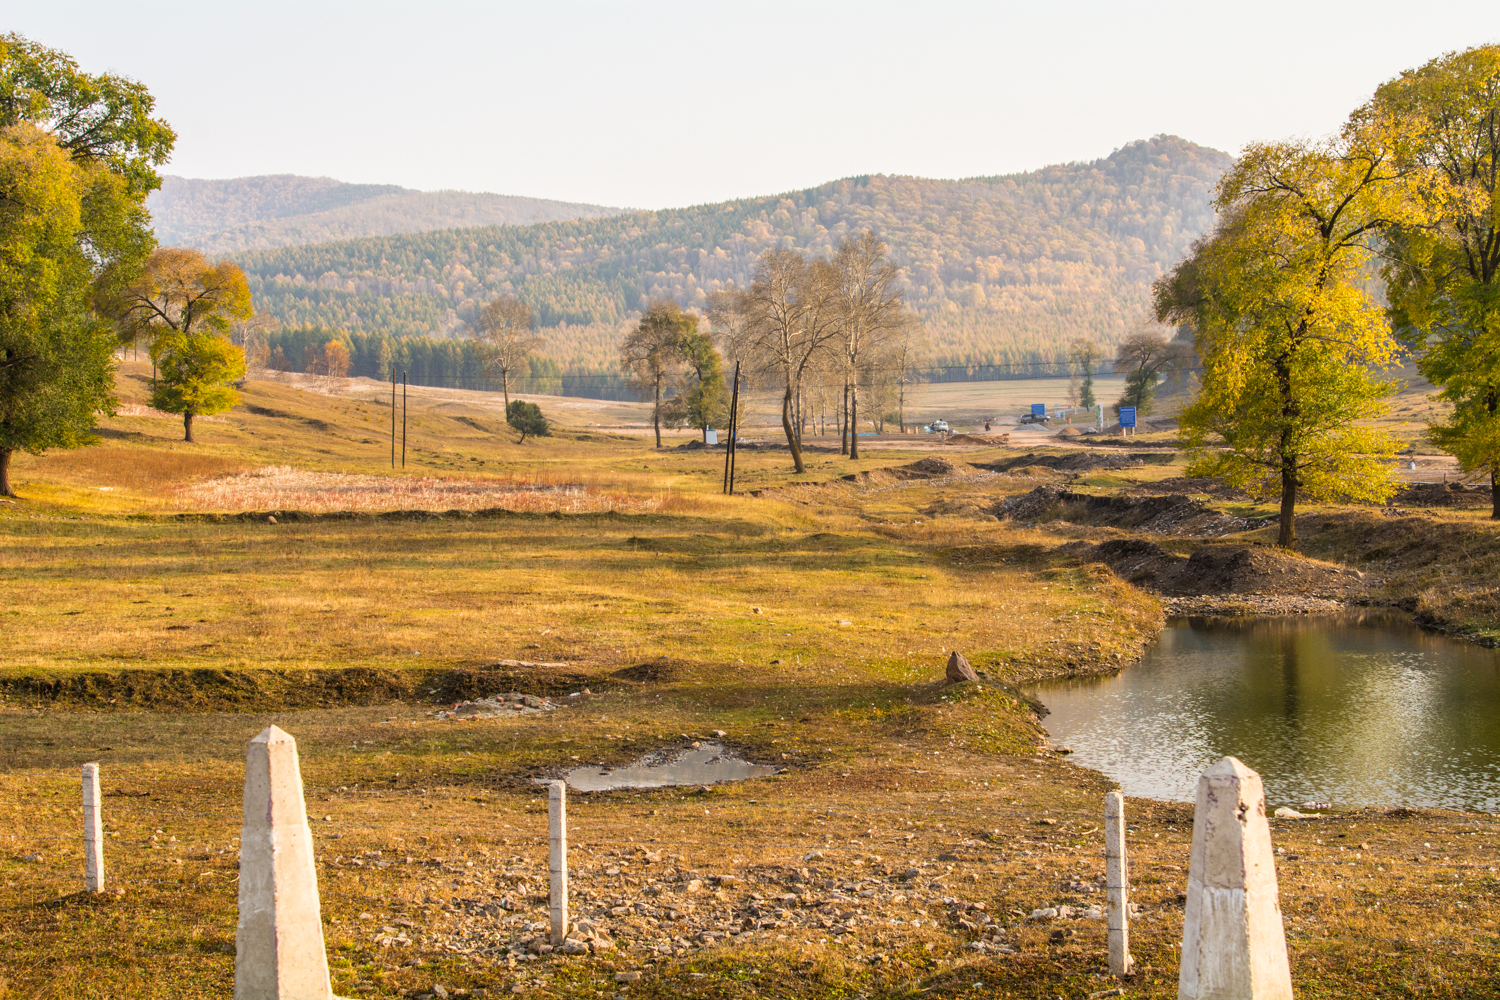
(706,764)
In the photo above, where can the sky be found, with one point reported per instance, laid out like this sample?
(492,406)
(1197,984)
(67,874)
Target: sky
(655,105)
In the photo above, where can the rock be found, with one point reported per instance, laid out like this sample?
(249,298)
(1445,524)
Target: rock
(959,669)
(1045,913)
(270,519)
(1287,812)
(573,946)
(627,977)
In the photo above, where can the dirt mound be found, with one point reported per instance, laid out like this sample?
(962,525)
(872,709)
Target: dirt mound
(1161,514)
(1442,495)
(1207,485)
(989,441)
(1070,432)
(1224,569)
(977,505)
(1081,461)
(934,467)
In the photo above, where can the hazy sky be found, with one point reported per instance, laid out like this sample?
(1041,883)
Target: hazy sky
(660,104)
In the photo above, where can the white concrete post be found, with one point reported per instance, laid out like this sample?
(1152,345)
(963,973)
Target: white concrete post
(1233,941)
(279,952)
(1117,885)
(557,836)
(93,831)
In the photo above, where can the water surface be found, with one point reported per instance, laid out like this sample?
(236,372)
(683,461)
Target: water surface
(1348,710)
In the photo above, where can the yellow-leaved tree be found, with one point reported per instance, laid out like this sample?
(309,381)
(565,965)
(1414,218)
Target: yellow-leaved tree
(1442,271)
(183,305)
(1291,342)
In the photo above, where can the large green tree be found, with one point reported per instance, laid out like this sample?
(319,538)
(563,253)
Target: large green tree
(195,370)
(77,159)
(1442,268)
(1290,339)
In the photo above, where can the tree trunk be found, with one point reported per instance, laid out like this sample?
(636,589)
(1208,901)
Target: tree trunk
(844,422)
(187,427)
(656,415)
(5,490)
(1288,537)
(505,388)
(1494,491)
(791,436)
(853,422)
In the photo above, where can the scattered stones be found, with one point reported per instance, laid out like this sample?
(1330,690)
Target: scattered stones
(500,705)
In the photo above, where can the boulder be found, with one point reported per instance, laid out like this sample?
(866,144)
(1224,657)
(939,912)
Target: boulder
(959,669)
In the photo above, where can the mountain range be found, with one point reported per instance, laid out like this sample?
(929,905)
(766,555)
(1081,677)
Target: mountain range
(224,217)
(1004,270)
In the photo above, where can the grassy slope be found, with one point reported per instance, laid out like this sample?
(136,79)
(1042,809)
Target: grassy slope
(887,769)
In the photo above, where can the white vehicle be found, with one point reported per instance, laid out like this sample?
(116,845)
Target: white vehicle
(940,427)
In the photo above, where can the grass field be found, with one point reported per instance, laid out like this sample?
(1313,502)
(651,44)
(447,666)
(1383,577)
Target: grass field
(809,625)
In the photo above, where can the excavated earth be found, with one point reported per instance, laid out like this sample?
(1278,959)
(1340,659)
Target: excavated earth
(1227,579)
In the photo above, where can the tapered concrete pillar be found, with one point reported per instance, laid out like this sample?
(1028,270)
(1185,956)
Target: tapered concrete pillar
(279,952)
(93,831)
(1117,885)
(557,836)
(1233,942)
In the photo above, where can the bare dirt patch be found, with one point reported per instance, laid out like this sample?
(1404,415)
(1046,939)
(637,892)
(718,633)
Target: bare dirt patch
(287,488)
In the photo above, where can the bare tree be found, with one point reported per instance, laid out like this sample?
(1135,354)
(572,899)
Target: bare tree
(506,333)
(253,335)
(1147,356)
(792,310)
(908,347)
(870,314)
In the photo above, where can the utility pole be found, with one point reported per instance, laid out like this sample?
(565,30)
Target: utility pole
(734,429)
(393,417)
(403,420)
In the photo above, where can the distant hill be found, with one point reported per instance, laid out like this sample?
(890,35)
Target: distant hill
(1005,270)
(254,213)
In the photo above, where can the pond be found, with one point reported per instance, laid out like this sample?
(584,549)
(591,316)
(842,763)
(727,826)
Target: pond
(1349,710)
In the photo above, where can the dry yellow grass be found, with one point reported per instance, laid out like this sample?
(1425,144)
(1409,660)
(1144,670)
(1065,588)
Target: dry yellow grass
(158,645)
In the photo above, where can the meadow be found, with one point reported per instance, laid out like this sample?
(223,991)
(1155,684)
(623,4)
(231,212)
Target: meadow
(157,624)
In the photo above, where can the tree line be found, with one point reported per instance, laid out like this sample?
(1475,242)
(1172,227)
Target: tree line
(443,362)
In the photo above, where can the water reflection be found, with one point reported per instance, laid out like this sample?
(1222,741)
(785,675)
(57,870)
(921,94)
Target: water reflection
(1357,710)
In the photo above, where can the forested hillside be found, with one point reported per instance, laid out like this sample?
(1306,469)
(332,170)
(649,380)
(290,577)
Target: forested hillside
(1005,270)
(249,213)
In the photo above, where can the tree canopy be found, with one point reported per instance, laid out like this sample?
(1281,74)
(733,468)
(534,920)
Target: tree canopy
(1442,266)
(526,418)
(194,372)
(1289,335)
(77,158)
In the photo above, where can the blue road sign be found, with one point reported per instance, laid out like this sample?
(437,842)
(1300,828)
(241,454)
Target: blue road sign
(1127,416)
(1038,409)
